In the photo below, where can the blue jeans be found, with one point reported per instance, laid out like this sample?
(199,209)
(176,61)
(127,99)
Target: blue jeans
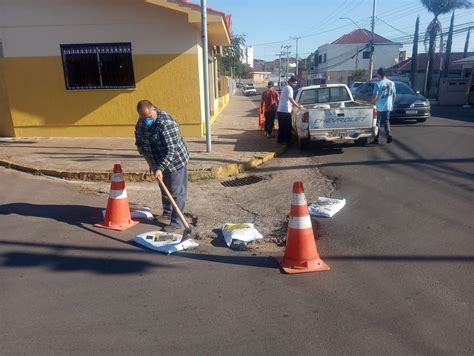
(383,118)
(177,184)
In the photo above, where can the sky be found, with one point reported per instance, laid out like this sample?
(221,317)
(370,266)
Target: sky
(268,24)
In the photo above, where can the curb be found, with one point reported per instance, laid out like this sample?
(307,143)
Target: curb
(97,176)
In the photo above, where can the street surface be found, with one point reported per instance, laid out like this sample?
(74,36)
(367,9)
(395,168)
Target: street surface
(401,253)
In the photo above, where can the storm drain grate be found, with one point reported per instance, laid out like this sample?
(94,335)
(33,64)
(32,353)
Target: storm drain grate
(239,182)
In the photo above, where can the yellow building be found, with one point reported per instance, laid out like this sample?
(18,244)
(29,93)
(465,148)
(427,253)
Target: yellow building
(78,68)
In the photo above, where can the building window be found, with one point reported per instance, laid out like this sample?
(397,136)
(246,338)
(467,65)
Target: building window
(325,57)
(366,54)
(98,66)
(320,59)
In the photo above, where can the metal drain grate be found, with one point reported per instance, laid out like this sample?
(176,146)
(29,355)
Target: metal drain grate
(239,182)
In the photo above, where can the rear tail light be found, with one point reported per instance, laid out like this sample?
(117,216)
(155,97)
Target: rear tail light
(306,117)
(375,112)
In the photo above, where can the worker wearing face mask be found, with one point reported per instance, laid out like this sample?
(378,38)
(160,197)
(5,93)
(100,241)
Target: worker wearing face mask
(159,141)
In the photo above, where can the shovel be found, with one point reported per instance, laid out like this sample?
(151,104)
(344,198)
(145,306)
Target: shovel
(176,208)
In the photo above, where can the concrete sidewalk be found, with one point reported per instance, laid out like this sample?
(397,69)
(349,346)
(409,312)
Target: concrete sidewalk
(238,145)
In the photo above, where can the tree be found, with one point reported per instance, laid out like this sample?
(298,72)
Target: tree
(359,75)
(231,61)
(448,47)
(466,45)
(437,8)
(414,55)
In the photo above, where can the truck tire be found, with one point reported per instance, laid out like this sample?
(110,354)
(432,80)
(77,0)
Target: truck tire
(364,141)
(303,143)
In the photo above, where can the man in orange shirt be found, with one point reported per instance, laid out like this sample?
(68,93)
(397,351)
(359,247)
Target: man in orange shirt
(269,106)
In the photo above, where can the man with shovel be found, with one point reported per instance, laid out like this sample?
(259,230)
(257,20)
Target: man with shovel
(159,141)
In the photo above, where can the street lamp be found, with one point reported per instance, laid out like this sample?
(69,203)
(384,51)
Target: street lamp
(351,20)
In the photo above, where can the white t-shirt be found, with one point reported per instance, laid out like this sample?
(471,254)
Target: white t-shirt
(285,104)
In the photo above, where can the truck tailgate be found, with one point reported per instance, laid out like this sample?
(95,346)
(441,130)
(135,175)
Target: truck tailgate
(342,118)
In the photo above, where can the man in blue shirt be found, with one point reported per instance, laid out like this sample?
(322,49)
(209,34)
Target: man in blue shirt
(383,98)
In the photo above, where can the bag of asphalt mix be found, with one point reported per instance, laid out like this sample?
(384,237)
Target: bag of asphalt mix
(164,242)
(326,207)
(240,233)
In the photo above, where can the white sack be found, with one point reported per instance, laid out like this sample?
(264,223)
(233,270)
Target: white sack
(164,242)
(241,232)
(326,207)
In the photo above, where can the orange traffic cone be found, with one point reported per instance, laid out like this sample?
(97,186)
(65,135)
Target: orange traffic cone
(301,254)
(117,216)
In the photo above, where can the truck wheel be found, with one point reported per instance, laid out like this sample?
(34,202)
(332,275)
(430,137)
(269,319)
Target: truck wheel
(364,141)
(303,143)
(423,119)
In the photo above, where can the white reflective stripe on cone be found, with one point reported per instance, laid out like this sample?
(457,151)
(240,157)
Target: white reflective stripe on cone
(303,222)
(298,199)
(118,194)
(117,177)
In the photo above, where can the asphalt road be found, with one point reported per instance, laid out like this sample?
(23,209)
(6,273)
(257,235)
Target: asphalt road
(401,253)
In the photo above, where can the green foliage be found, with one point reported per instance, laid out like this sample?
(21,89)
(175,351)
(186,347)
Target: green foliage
(414,57)
(437,8)
(230,63)
(449,45)
(360,75)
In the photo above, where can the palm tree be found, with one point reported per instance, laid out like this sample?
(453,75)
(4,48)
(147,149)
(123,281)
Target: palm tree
(437,8)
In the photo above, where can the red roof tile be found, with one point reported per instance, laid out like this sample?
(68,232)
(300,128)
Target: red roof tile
(360,36)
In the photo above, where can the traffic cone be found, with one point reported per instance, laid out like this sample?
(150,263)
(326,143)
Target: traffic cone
(117,216)
(301,254)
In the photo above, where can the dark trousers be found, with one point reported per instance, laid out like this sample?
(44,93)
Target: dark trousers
(269,119)
(177,184)
(383,118)
(284,127)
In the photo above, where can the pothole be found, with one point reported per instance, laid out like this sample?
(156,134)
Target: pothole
(241,181)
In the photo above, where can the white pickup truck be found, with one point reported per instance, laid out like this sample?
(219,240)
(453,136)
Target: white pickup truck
(330,114)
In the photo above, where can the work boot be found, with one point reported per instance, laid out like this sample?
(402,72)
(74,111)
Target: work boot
(389,139)
(164,219)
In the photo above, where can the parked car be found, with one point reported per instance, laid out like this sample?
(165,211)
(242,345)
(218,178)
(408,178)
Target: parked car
(249,90)
(330,114)
(408,103)
(354,86)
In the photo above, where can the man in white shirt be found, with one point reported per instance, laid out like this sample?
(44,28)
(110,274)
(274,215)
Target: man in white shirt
(284,111)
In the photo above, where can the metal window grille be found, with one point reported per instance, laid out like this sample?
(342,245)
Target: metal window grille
(98,66)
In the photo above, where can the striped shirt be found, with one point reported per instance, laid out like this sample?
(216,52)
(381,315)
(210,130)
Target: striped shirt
(163,146)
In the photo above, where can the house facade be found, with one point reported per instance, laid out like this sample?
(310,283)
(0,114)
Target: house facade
(336,62)
(78,68)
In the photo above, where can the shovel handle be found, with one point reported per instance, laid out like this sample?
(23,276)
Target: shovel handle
(173,202)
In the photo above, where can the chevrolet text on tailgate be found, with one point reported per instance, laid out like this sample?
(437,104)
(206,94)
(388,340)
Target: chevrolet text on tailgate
(330,114)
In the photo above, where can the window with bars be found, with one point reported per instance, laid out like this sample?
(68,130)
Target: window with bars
(98,66)
(366,54)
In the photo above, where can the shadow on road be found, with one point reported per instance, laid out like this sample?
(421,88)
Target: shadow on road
(59,263)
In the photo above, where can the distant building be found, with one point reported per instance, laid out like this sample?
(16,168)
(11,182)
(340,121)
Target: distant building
(260,78)
(247,56)
(337,61)
(455,71)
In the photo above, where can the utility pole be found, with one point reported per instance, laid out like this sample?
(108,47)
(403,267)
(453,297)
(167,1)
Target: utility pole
(371,43)
(287,60)
(279,69)
(357,59)
(297,59)
(205,60)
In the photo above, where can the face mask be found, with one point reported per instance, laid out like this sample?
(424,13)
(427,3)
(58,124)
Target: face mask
(149,121)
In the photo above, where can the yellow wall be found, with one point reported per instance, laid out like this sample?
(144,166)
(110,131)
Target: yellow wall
(6,126)
(41,106)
